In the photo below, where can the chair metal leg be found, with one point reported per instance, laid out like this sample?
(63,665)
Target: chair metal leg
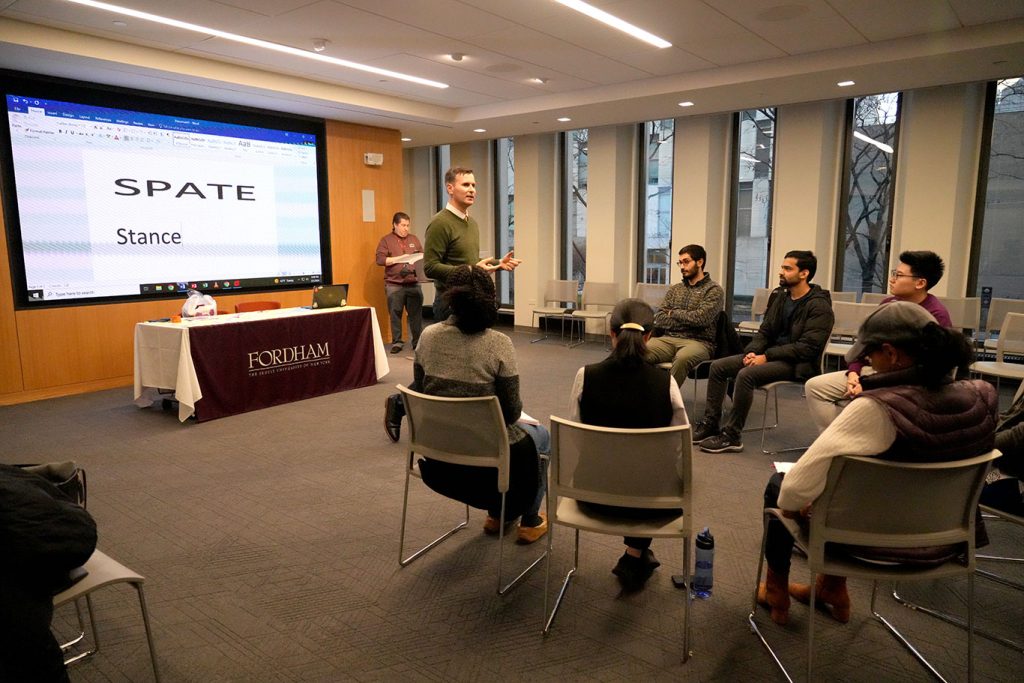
(149,631)
(955,621)
(82,656)
(565,583)
(401,543)
(906,643)
(81,629)
(764,429)
(751,618)
(502,589)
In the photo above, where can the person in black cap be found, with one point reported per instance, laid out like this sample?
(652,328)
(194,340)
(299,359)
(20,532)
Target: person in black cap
(912,411)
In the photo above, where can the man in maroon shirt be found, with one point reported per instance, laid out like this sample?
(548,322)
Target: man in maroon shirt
(398,251)
(917,272)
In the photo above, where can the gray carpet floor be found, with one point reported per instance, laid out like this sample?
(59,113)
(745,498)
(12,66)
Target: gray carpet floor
(269,542)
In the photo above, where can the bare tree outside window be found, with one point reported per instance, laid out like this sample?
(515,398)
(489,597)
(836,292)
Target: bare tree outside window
(866,224)
(655,220)
(574,262)
(753,188)
(998,271)
(505,222)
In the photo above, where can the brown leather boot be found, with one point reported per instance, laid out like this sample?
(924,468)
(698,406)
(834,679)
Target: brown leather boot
(774,594)
(829,591)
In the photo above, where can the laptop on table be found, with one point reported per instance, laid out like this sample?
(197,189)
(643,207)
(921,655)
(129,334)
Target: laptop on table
(329,296)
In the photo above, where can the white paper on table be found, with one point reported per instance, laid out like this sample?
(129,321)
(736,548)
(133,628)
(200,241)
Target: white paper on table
(523,417)
(408,258)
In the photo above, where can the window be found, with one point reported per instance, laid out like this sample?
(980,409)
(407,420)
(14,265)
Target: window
(862,264)
(999,219)
(751,224)
(442,162)
(574,206)
(504,218)
(655,208)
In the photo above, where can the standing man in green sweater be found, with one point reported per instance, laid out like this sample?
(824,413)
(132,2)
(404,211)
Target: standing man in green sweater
(453,238)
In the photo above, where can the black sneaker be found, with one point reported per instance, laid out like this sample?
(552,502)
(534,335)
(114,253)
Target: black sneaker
(396,348)
(703,430)
(633,572)
(726,442)
(393,413)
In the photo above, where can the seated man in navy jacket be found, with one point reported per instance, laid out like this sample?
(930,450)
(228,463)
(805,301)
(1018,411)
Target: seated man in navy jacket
(788,346)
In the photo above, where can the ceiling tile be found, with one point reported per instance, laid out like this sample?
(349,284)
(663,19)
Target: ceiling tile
(879,20)
(974,12)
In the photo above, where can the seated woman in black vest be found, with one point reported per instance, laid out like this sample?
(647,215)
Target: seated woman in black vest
(911,410)
(626,392)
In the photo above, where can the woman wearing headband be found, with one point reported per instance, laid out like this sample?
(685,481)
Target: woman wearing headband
(624,391)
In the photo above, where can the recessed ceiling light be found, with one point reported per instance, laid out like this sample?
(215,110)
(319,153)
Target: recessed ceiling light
(479,130)
(456,56)
(563,119)
(615,22)
(846,84)
(406,139)
(687,103)
(320,44)
(255,42)
(540,80)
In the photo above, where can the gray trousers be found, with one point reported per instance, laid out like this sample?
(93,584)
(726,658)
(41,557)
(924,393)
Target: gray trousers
(409,298)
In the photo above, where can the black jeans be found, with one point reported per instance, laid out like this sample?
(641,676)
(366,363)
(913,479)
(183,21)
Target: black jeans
(746,380)
(778,548)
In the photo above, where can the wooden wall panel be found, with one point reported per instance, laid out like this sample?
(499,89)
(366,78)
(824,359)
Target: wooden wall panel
(61,351)
(354,241)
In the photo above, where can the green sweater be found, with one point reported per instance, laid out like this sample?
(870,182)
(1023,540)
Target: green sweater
(449,242)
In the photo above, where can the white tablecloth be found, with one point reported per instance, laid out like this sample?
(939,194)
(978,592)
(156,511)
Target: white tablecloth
(163,356)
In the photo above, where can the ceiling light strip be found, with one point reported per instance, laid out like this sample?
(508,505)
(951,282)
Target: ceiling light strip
(255,42)
(615,22)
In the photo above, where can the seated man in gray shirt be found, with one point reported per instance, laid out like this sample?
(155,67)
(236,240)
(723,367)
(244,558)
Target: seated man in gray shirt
(687,317)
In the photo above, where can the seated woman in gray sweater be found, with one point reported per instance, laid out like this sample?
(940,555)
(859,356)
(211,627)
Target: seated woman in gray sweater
(462,357)
(626,392)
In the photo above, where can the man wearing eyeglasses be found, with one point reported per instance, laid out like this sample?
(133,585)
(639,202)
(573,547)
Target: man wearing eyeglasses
(917,272)
(687,316)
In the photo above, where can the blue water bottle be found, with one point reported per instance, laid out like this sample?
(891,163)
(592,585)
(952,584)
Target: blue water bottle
(704,566)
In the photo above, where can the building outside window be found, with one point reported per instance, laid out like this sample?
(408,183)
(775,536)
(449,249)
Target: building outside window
(504,219)
(574,206)
(865,228)
(999,219)
(655,211)
(751,221)
(442,162)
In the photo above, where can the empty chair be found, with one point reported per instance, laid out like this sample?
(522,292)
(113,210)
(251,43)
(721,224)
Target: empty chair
(560,297)
(849,297)
(848,318)
(997,311)
(634,468)
(598,300)
(872,297)
(964,312)
(653,294)
(1011,341)
(461,431)
(870,504)
(104,571)
(757,308)
(247,306)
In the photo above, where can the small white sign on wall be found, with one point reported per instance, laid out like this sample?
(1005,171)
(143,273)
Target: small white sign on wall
(369,214)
